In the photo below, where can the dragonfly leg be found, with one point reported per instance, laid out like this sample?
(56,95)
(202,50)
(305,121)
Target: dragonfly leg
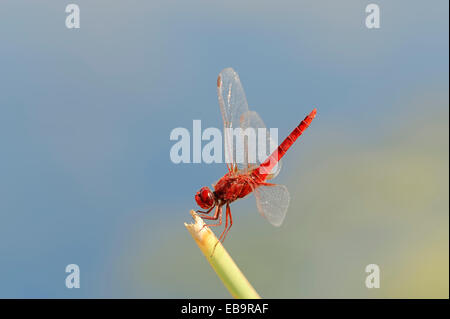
(214,217)
(218,214)
(226,229)
(226,222)
(228,214)
(207,212)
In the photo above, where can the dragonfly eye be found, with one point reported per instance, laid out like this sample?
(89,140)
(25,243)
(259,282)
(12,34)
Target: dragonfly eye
(204,198)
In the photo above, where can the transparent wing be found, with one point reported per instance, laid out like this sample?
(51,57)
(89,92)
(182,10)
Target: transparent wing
(233,104)
(272,202)
(259,143)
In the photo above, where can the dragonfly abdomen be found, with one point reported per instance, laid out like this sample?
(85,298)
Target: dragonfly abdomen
(266,167)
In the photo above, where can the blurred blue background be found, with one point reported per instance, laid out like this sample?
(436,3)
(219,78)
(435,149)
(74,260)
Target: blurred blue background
(85,173)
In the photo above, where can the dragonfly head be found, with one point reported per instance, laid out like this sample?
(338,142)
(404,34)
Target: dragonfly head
(205,198)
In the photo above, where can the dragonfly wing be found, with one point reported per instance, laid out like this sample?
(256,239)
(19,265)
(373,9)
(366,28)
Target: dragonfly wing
(272,202)
(256,150)
(233,104)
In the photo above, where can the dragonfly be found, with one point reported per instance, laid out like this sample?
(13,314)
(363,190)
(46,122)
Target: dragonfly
(244,177)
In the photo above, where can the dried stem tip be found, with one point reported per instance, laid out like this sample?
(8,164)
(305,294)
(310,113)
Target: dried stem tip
(220,260)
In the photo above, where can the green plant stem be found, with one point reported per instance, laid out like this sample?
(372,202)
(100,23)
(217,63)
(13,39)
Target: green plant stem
(219,259)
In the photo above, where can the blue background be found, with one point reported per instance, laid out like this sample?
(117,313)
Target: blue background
(85,173)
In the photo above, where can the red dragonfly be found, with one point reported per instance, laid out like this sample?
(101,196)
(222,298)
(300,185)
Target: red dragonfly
(244,178)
